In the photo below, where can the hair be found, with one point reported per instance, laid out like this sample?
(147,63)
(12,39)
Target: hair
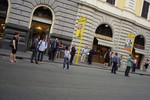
(147,59)
(66,47)
(16,33)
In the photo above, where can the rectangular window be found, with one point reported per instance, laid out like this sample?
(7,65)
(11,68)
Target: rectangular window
(111,2)
(145,9)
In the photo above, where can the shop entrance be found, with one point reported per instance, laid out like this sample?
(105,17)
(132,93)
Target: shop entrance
(99,52)
(41,24)
(102,42)
(138,58)
(139,43)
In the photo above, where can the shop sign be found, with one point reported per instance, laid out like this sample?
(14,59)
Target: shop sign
(103,37)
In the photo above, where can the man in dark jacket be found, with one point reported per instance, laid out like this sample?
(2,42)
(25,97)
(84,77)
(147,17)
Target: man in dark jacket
(73,52)
(54,47)
(35,49)
(115,62)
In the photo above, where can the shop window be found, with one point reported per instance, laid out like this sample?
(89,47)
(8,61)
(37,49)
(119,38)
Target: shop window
(145,9)
(139,42)
(111,2)
(3,13)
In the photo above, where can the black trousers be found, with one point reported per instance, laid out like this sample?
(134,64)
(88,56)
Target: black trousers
(53,53)
(127,71)
(34,55)
(40,56)
(114,68)
(90,59)
(71,59)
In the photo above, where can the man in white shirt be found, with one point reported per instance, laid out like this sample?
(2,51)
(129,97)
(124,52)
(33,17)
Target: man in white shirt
(42,45)
(84,52)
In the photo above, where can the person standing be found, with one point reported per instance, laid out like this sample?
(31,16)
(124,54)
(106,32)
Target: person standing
(60,47)
(129,65)
(14,45)
(146,64)
(42,45)
(115,62)
(35,49)
(54,48)
(83,56)
(73,52)
(134,66)
(120,60)
(90,56)
(66,58)
(107,58)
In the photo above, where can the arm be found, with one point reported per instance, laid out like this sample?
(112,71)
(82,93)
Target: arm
(14,44)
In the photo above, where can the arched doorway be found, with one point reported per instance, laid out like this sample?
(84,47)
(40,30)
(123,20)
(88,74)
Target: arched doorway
(102,42)
(41,23)
(3,15)
(139,44)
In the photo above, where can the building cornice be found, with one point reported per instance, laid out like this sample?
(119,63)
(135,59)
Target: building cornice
(119,13)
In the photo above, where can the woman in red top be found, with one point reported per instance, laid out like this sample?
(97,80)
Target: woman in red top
(60,47)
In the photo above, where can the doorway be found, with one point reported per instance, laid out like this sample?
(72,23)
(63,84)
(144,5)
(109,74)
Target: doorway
(99,52)
(41,24)
(138,58)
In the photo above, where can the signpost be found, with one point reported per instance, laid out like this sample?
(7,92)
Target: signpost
(79,34)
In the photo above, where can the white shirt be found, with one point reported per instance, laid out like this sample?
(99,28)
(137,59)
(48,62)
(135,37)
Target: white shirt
(84,51)
(42,45)
(66,53)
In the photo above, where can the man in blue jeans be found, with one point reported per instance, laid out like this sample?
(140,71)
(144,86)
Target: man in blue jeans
(115,62)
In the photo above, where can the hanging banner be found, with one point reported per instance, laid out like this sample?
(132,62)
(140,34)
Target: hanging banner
(129,42)
(79,34)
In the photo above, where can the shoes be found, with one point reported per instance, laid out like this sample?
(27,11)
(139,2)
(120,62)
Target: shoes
(31,62)
(11,61)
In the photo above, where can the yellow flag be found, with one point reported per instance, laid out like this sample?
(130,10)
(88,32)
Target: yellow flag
(80,33)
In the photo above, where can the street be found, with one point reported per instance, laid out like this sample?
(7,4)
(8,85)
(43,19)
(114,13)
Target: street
(49,81)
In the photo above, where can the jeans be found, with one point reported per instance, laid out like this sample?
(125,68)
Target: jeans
(40,56)
(114,68)
(34,55)
(66,62)
(127,71)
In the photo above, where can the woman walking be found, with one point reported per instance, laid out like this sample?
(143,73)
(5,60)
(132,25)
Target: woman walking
(146,65)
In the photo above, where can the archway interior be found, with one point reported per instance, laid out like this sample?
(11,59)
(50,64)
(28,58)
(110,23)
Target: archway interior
(41,23)
(139,43)
(103,30)
(3,15)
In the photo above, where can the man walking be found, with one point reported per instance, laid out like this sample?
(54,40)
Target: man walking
(35,49)
(54,48)
(115,62)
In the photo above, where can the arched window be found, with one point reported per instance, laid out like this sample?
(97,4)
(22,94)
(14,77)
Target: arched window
(105,30)
(139,42)
(3,15)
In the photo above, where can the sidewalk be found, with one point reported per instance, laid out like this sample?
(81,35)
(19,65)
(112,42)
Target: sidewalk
(27,55)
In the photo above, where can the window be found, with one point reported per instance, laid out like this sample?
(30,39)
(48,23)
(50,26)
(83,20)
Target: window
(111,2)
(145,9)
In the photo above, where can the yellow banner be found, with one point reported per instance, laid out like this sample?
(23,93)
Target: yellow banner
(129,45)
(80,33)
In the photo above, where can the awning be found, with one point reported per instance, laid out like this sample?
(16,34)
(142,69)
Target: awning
(105,42)
(140,51)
